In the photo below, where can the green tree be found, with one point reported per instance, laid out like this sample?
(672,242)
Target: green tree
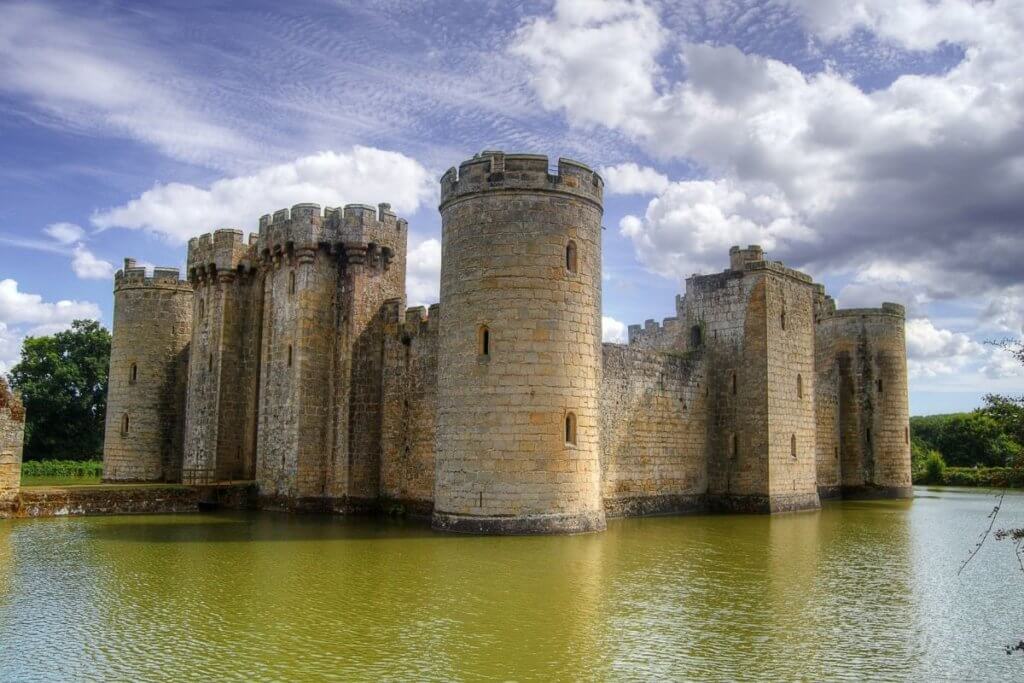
(63,382)
(934,468)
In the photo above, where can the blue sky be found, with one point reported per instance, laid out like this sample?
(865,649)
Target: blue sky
(878,147)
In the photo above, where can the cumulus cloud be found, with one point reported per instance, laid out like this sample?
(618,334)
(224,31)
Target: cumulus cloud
(594,59)
(691,225)
(925,170)
(423,273)
(65,233)
(179,211)
(932,351)
(23,314)
(88,267)
(614,331)
(629,178)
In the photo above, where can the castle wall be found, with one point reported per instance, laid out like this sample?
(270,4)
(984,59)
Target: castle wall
(872,409)
(409,399)
(12,438)
(504,464)
(220,413)
(375,253)
(653,418)
(145,405)
(790,387)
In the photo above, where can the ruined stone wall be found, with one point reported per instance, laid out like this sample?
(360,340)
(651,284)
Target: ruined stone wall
(654,452)
(792,446)
(503,461)
(220,409)
(409,399)
(671,334)
(826,402)
(12,438)
(869,351)
(148,365)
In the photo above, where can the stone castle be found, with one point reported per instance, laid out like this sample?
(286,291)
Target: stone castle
(289,359)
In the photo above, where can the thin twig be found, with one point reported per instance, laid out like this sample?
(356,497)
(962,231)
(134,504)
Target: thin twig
(992,521)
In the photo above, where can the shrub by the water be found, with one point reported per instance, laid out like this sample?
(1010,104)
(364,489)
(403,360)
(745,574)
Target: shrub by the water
(934,468)
(62,468)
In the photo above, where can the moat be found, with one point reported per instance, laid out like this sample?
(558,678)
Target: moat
(861,589)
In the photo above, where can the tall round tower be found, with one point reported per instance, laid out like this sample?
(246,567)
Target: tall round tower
(519,364)
(148,368)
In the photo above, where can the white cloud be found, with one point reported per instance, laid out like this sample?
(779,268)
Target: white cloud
(363,175)
(613,331)
(925,170)
(594,59)
(629,178)
(65,233)
(932,351)
(88,267)
(88,74)
(691,225)
(1006,310)
(24,314)
(423,273)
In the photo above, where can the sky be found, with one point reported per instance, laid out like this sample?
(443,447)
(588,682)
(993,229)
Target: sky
(878,146)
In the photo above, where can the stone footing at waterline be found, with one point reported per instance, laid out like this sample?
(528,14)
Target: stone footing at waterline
(754,504)
(119,499)
(580,523)
(645,506)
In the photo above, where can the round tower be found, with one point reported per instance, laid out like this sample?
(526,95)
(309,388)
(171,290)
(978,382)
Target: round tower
(872,408)
(148,362)
(519,364)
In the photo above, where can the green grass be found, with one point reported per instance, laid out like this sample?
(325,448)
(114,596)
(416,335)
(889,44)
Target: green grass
(61,472)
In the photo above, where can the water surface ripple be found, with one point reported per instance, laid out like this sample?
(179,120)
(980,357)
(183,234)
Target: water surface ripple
(860,590)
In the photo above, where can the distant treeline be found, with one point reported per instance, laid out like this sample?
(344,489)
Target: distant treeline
(984,447)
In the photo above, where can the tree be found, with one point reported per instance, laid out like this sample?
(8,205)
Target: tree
(63,382)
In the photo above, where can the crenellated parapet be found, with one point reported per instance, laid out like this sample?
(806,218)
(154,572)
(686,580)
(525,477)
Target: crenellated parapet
(224,251)
(360,233)
(135,277)
(491,171)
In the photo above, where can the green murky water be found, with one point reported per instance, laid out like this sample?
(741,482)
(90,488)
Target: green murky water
(857,591)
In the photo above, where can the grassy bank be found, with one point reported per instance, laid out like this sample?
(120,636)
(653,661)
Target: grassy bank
(986,477)
(60,472)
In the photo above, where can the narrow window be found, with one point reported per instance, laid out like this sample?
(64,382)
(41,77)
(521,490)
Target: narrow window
(695,337)
(570,257)
(124,424)
(792,445)
(209,363)
(869,434)
(879,385)
(483,341)
(202,308)
(835,450)
(782,319)
(734,383)
(291,282)
(570,428)
(735,446)
(133,374)
(289,355)
(906,435)
(799,386)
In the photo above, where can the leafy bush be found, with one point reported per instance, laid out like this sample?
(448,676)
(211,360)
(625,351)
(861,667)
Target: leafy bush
(62,468)
(934,468)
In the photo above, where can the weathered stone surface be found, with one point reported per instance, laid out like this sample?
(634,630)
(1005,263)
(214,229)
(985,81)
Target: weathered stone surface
(306,373)
(12,438)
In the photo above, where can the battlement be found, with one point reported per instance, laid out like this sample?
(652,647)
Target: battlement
(739,257)
(497,171)
(888,310)
(414,321)
(134,277)
(305,226)
(224,250)
(652,333)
